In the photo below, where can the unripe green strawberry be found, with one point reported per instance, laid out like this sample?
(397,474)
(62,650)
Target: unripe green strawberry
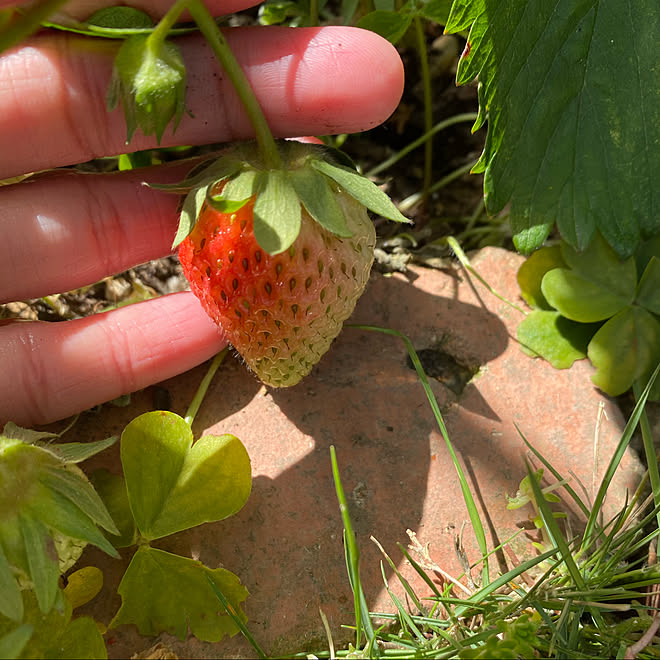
(279,257)
(280,312)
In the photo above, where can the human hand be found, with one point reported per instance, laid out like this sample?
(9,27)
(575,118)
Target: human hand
(62,230)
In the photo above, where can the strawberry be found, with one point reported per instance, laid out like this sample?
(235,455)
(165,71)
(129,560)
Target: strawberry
(279,258)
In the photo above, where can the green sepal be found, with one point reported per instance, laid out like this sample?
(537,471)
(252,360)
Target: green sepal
(80,492)
(63,515)
(277,213)
(173,484)
(162,592)
(41,559)
(362,189)
(150,84)
(29,436)
(318,198)
(241,187)
(76,452)
(190,211)
(222,205)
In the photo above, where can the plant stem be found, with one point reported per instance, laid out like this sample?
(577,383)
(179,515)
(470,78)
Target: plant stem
(440,126)
(160,32)
(428,108)
(203,387)
(220,46)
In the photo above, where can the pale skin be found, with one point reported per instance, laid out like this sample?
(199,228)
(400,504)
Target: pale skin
(60,231)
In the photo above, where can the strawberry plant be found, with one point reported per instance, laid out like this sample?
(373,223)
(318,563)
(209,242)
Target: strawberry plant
(49,511)
(592,304)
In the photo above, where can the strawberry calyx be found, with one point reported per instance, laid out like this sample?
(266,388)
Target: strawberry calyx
(309,178)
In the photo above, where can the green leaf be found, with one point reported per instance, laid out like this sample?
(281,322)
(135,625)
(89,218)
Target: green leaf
(112,490)
(390,25)
(316,194)
(172,485)
(62,514)
(555,338)
(648,290)
(571,92)
(76,452)
(13,643)
(532,271)
(79,491)
(360,188)
(162,592)
(579,299)
(81,640)
(277,213)
(120,18)
(624,349)
(11,601)
(42,561)
(436,10)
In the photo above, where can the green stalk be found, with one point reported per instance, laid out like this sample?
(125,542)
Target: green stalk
(220,46)
(203,387)
(160,32)
(428,108)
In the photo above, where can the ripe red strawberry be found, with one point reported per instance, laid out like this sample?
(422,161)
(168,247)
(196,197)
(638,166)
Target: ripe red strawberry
(280,312)
(279,256)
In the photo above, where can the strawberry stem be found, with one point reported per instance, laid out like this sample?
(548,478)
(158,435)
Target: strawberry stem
(219,45)
(203,387)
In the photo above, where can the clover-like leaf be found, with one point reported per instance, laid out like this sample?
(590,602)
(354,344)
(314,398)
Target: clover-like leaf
(172,484)
(532,271)
(648,289)
(112,490)
(625,349)
(555,338)
(162,592)
(583,300)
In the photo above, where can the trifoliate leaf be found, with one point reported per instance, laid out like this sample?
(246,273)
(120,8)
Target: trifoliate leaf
(172,484)
(555,338)
(532,271)
(162,592)
(625,349)
(579,299)
(316,194)
(648,290)
(570,88)
(362,189)
(277,212)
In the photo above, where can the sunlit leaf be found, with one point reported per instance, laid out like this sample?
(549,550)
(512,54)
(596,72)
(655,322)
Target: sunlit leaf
(532,271)
(162,592)
(172,485)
